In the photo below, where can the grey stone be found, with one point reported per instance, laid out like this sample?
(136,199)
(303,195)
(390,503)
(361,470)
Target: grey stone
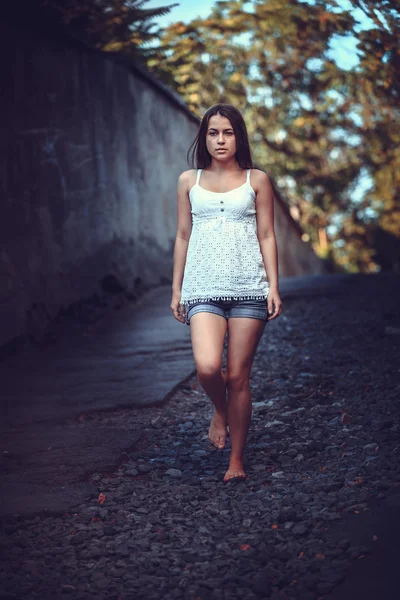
(300,529)
(278,475)
(144,468)
(173,473)
(371,447)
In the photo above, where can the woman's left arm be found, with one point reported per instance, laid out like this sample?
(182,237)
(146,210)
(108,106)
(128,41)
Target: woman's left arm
(266,237)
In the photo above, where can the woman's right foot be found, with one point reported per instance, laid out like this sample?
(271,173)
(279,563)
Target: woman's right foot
(217,430)
(235,471)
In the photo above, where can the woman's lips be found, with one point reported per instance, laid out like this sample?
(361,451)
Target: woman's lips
(221,149)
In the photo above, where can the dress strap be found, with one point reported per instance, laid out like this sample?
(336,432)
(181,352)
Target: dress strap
(198,175)
(248,175)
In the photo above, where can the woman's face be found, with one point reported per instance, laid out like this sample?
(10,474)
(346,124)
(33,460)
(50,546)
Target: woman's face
(220,138)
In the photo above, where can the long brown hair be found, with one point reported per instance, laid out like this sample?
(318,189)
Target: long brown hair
(199,157)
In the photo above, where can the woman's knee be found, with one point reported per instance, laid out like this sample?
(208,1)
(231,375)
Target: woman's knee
(208,369)
(237,381)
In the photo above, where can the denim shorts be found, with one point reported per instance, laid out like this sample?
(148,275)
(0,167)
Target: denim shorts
(253,309)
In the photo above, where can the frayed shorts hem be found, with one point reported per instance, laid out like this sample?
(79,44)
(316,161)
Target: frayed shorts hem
(251,309)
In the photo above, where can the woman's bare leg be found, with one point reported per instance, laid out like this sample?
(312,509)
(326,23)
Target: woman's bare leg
(208,332)
(244,335)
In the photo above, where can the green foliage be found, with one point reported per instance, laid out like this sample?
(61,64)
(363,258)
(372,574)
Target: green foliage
(123,27)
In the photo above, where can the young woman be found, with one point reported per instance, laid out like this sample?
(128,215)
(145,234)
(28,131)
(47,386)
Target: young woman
(225,246)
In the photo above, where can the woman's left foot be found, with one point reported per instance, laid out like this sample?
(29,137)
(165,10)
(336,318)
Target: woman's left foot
(235,471)
(217,430)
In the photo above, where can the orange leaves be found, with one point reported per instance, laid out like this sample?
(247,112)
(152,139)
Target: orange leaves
(324,19)
(318,555)
(345,418)
(245,547)
(101,498)
(299,122)
(274,526)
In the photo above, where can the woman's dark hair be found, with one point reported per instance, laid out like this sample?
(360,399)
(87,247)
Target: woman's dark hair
(198,155)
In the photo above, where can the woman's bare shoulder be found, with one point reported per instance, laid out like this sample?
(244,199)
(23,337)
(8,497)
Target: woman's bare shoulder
(260,181)
(259,177)
(187,177)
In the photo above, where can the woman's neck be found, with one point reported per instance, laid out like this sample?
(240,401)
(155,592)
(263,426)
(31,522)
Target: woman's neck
(228,166)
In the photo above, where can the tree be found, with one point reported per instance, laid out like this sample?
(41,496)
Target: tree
(318,128)
(376,88)
(122,27)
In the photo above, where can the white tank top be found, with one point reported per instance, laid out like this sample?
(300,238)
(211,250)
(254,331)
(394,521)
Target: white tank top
(224,259)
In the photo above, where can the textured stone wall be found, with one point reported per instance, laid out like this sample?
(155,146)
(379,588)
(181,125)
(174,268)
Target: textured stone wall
(90,156)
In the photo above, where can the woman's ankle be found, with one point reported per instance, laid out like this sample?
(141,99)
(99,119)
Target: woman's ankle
(221,414)
(235,461)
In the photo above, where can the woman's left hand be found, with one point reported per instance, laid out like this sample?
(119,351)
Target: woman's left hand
(274,304)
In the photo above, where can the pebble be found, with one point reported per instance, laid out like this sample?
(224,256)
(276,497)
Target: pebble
(278,475)
(143,468)
(132,472)
(174,473)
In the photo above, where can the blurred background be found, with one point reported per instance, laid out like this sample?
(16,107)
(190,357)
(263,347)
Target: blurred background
(318,83)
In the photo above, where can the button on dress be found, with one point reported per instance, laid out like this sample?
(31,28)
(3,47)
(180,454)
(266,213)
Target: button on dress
(224,259)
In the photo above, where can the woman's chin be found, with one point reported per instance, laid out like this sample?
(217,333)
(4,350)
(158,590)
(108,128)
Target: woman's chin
(222,156)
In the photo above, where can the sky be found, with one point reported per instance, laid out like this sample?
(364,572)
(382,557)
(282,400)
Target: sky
(343,50)
(186,11)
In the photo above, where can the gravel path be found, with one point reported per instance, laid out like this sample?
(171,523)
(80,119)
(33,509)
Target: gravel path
(324,441)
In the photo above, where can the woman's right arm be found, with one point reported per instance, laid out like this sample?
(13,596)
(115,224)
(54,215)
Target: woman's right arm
(181,244)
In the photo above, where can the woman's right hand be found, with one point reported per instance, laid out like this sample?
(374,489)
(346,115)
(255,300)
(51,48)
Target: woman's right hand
(178,309)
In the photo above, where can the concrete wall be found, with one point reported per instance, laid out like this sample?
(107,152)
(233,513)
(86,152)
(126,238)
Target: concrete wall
(295,256)
(89,158)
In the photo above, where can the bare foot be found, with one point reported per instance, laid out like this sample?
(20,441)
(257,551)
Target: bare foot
(235,471)
(217,430)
